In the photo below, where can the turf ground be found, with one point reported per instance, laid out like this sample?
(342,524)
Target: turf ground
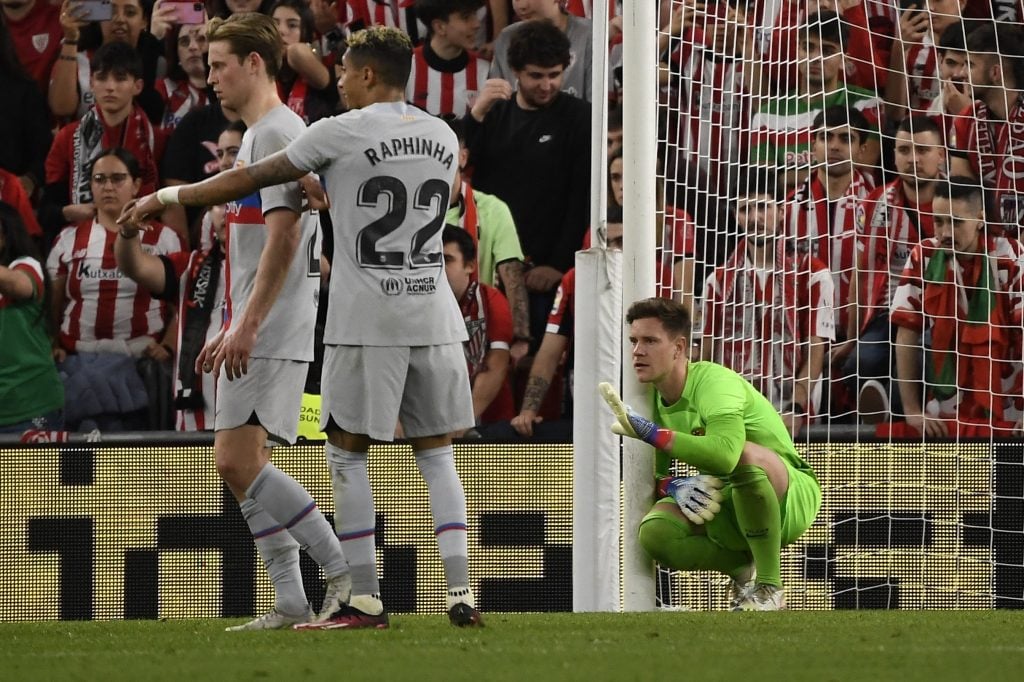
(683,647)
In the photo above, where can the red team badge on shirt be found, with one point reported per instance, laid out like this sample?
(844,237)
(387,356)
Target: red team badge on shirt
(41,41)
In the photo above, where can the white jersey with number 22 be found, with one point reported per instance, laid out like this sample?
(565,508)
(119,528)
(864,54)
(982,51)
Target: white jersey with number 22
(388,169)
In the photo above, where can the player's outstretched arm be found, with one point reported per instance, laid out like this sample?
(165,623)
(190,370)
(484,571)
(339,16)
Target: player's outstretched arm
(219,189)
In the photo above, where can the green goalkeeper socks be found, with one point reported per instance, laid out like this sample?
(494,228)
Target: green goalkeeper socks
(670,541)
(760,519)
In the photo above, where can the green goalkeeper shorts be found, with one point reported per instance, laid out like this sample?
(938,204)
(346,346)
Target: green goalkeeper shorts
(799,509)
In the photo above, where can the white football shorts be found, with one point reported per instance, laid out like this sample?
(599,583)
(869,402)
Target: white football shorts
(271,390)
(369,389)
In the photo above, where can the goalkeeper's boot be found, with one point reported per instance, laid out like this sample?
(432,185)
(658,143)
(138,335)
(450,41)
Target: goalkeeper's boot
(764,598)
(740,585)
(336,595)
(462,611)
(271,620)
(363,611)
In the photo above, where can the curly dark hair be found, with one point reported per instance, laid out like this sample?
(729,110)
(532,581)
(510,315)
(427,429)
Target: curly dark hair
(540,43)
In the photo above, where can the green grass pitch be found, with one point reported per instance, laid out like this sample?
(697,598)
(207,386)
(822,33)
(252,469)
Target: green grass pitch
(749,647)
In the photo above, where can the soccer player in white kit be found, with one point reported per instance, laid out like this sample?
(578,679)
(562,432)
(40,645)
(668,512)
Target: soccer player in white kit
(394,332)
(266,344)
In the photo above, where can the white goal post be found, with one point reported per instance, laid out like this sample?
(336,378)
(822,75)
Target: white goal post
(596,584)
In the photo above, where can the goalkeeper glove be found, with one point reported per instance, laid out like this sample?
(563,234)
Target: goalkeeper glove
(698,497)
(629,423)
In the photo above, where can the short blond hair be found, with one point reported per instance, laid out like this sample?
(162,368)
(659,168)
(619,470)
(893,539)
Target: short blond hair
(248,32)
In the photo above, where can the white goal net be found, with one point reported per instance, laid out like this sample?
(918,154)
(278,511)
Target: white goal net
(836,199)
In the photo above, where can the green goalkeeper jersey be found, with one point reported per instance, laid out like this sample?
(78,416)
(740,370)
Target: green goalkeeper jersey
(717,413)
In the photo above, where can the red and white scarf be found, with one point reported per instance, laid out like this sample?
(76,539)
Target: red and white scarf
(295,97)
(469,220)
(474,311)
(922,85)
(92,136)
(1000,147)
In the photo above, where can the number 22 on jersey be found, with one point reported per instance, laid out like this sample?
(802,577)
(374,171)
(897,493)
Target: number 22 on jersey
(398,211)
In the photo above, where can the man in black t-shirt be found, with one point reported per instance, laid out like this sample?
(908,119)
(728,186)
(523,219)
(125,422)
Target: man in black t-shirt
(531,148)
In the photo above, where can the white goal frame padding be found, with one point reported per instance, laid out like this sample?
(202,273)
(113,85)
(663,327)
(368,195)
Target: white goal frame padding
(595,481)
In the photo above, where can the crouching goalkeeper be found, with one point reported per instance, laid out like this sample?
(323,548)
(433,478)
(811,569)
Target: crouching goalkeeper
(755,495)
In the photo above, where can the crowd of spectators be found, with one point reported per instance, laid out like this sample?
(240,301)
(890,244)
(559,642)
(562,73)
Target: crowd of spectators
(837,199)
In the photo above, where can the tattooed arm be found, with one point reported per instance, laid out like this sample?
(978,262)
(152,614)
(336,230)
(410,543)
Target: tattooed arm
(219,189)
(511,274)
(541,372)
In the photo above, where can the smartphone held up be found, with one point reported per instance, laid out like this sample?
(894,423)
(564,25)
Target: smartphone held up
(188,12)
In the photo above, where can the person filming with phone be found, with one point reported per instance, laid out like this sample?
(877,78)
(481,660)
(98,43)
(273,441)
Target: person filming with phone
(184,88)
(913,65)
(87,25)
(168,14)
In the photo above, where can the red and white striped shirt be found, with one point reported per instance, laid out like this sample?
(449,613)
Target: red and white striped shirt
(179,97)
(1005,258)
(986,352)
(103,303)
(714,109)
(489,325)
(358,14)
(921,67)
(760,321)
(442,86)
(872,24)
(828,230)
(678,241)
(892,226)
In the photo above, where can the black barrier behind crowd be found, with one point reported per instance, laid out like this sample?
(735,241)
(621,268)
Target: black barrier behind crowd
(147,531)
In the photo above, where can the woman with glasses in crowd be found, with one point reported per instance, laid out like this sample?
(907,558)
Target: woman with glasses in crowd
(110,328)
(97,308)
